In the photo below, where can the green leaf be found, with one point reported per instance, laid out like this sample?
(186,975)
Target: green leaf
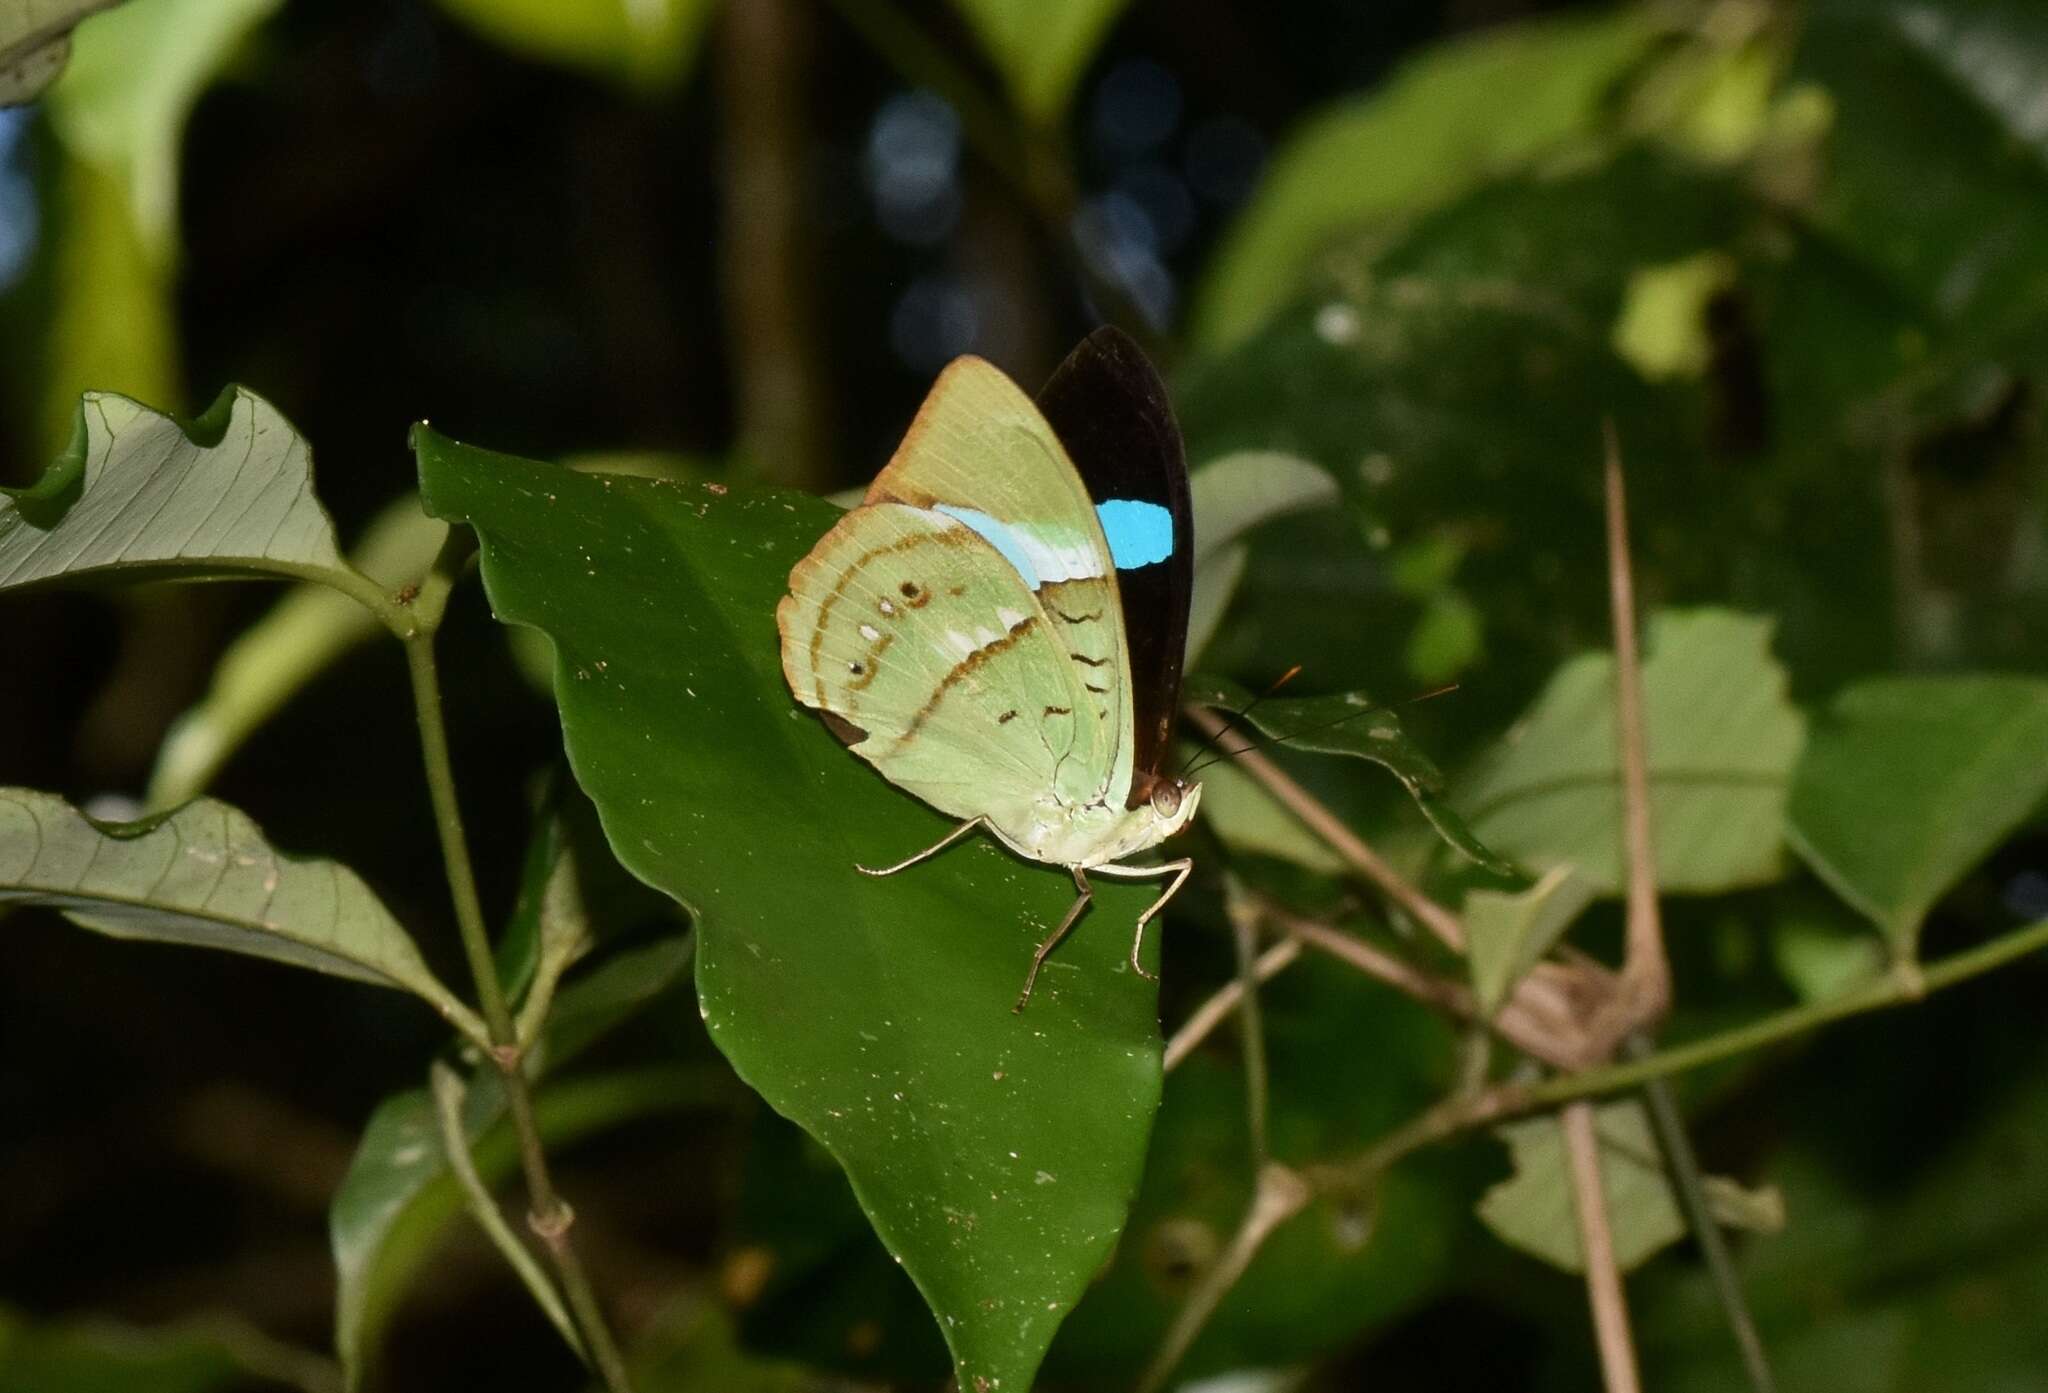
(141,496)
(1233,494)
(1431,133)
(303,635)
(645,44)
(1347,1265)
(1722,738)
(393,1208)
(1909,782)
(573,894)
(134,78)
(1350,723)
(1040,47)
(1509,933)
(204,876)
(35,39)
(994,1152)
(207,1354)
(1533,1209)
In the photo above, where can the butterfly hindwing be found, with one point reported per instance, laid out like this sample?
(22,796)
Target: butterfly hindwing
(982,453)
(937,664)
(1111,413)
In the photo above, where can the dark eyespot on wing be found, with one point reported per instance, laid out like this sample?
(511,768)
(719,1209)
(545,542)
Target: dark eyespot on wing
(1059,710)
(1084,658)
(1066,618)
(1006,718)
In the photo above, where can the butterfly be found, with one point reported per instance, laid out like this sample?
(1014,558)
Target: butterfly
(999,626)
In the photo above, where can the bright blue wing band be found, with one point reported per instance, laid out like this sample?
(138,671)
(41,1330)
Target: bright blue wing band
(1139,533)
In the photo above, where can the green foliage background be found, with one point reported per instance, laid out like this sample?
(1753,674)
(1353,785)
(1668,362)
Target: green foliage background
(1798,256)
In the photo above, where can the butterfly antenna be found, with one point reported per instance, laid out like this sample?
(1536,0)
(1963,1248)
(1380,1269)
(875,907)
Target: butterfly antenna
(1230,721)
(1311,730)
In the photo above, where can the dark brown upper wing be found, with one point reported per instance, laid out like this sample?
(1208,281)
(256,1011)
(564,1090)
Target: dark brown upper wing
(1108,406)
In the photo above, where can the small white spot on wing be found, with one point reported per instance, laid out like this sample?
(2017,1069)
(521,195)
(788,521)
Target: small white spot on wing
(870,632)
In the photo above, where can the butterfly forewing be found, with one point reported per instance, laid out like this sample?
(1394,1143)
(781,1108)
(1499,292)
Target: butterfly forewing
(939,665)
(1112,415)
(982,453)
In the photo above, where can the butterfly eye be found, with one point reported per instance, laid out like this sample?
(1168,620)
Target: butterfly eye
(1166,799)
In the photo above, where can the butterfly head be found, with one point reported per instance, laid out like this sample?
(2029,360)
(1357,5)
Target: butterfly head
(1169,807)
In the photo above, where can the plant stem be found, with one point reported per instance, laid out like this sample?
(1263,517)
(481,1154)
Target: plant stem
(1596,1249)
(448,1090)
(1339,838)
(1206,1017)
(1877,995)
(1514,1022)
(1646,970)
(1463,1112)
(1684,1167)
(1244,932)
(550,1217)
(1280,1194)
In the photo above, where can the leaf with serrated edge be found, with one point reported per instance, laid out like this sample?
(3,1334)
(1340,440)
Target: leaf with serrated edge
(1533,1208)
(1723,740)
(204,876)
(140,496)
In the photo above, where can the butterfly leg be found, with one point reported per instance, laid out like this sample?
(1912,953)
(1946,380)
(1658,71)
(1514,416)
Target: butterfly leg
(951,837)
(1178,870)
(1052,939)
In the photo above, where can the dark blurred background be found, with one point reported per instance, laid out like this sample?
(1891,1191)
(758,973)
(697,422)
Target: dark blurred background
(740,241)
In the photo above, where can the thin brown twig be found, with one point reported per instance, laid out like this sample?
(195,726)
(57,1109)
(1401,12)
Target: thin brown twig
(1204,1019)
(1279,1195)
(1514,1022)
(1596,1248)
(1463,1112)
(1340,839)
(1646,971)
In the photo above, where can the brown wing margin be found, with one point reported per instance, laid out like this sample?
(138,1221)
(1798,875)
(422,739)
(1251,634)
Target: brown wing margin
(1110,410)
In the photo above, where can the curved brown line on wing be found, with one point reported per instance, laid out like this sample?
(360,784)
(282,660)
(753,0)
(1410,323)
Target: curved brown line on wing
(961,669)
(950,537)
